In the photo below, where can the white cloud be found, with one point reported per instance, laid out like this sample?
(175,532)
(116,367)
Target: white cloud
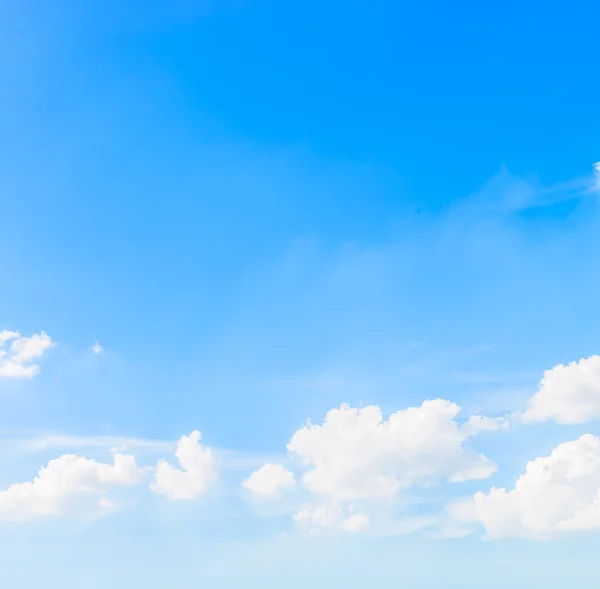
(478,423)
(68,483)
(558,493)
(39,443)
(567,393)
(199,468)
(357,522)
(97,348)
(320,516)
(596,167)
(6,336)
(16,359)
(356,454)
(269,480)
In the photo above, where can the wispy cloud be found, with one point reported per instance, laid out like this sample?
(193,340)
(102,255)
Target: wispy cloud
(42,442)
(231,460)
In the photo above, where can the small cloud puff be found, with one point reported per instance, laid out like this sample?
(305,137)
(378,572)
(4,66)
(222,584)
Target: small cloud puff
(357,522)
(269,480)
(17,353)
(331,516)
(199,469)
(597,174)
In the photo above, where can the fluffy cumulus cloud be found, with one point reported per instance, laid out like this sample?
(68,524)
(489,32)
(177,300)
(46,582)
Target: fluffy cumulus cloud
(356,457)
(18,353)
(558,493)
(68,484)
(567,393)
(199,469)
(269,480)
(356,454)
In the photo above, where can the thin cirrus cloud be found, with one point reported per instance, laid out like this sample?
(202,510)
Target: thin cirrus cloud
(69,484)
(567,394)
(557,494)
(41,442)
(199,468)
(18,354)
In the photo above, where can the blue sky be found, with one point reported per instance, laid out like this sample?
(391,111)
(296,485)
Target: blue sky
(261,211)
